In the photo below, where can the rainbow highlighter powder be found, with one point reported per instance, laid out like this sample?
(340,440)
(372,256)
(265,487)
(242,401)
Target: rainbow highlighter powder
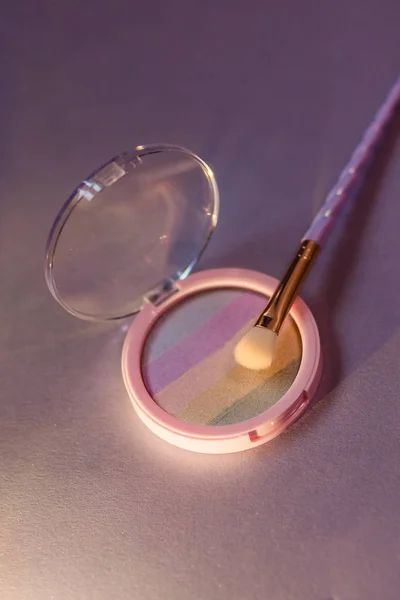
(188,362)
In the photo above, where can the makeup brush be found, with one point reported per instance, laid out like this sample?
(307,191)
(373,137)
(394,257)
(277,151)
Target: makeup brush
(256,349)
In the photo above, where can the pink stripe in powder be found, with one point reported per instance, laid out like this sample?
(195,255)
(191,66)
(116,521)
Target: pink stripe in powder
(214,334)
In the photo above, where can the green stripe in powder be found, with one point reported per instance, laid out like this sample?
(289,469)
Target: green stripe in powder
(260,399)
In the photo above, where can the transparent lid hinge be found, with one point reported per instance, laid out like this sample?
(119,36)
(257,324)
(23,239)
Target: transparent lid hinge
(162,292)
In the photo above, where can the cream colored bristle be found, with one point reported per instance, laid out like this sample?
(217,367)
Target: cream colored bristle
(256,349)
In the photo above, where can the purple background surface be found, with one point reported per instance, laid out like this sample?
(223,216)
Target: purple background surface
(274,96)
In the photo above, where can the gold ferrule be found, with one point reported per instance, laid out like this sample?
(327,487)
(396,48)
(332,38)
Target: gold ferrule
(282,299)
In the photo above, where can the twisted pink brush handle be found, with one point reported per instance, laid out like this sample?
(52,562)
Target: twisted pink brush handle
(348,181)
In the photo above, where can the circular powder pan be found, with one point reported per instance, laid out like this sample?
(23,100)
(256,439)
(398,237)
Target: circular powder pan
(182,398)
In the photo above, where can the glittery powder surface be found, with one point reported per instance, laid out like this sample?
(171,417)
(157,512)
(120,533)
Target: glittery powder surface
(188,363)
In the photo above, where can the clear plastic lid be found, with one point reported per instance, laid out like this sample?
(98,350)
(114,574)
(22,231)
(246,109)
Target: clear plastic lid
(130,230)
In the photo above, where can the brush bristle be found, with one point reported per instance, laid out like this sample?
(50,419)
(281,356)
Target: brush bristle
(256,349)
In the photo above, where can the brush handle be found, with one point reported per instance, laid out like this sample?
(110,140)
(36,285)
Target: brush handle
(349,180)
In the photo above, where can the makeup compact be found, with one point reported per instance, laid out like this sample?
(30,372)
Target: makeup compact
(124,244)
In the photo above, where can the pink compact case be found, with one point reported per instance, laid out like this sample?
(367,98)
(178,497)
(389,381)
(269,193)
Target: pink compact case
(125,243)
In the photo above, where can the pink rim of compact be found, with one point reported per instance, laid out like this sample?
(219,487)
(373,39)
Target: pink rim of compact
(224,438)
